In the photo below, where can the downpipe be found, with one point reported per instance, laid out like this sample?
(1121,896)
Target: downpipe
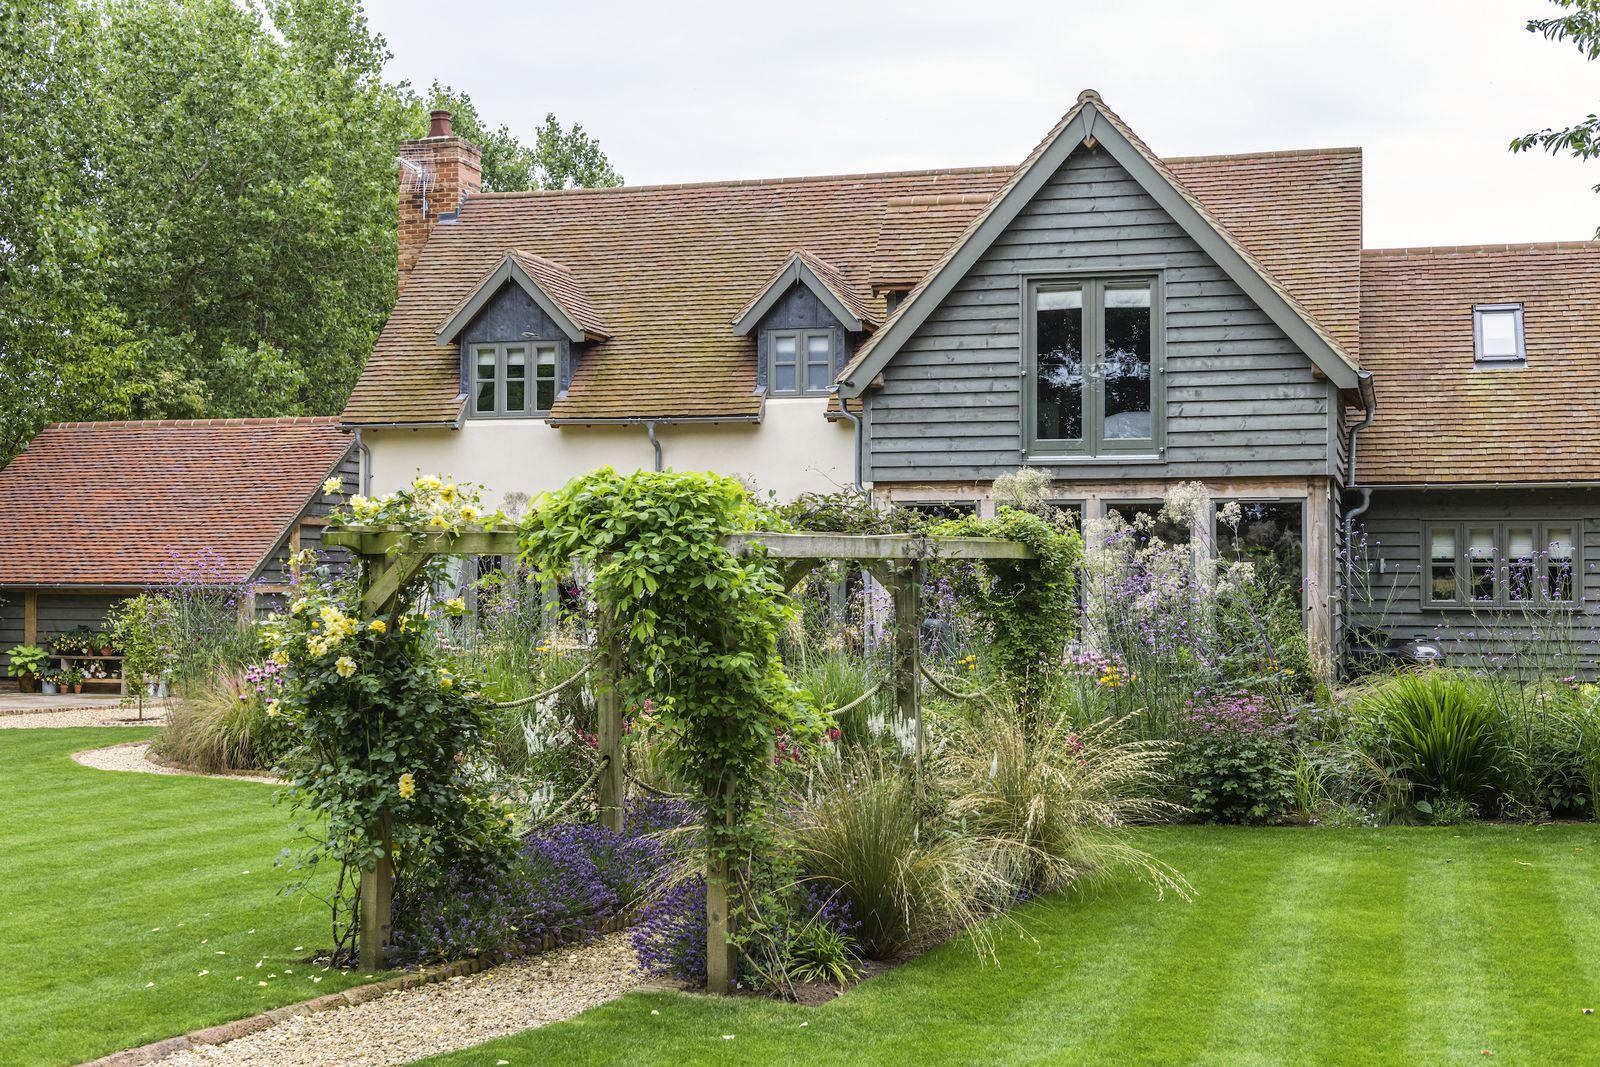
(855,423)
(655,443)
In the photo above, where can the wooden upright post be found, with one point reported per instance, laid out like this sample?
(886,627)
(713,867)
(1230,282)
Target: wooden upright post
(907,592)
(719,922)
(377,898)
(608,703)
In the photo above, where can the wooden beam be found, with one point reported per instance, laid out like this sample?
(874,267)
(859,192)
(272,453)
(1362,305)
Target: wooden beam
(381,540)
(384,590)
(30,617)
(865,547)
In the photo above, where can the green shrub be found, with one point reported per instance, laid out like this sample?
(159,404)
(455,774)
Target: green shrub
(222,726)
(1234,758)
(819,951)
(858,833)
(1043,807)
(1439,729)
(835,680)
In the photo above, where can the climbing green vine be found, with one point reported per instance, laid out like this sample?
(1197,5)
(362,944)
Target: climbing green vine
(700,625)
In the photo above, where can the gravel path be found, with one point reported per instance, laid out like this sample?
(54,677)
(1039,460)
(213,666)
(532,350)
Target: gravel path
(135,756)
(111,715)
(454,1014)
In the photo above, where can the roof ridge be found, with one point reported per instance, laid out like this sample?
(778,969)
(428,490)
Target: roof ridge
(274,420)
(1526,246)
(1282,153)
(734,183)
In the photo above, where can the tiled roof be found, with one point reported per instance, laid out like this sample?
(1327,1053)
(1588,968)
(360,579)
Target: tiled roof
(557,282)
(134,503)
(668,268)
(1442,420)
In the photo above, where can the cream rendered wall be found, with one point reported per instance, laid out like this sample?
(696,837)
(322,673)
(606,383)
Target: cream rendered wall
(793,450)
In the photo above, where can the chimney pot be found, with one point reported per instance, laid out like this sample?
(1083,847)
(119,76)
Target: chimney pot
(439,123)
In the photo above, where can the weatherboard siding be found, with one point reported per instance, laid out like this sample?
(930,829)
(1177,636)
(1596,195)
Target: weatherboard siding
(1392,533)
(1240,398)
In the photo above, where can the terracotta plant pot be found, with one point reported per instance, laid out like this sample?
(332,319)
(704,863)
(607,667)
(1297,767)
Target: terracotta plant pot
(78,688)
(107,650)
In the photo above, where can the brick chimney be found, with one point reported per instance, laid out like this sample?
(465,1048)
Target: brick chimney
(437,174)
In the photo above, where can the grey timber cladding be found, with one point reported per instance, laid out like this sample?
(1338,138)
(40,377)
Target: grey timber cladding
(275,570)
(512,315)
(1390,566)
(801,309)
(1241,399)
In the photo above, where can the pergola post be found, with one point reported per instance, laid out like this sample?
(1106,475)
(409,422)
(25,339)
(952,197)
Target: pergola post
(608,708)
(719,922)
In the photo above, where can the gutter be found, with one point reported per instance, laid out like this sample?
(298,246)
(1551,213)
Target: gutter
(1459,487)
(855,422)
(671,420)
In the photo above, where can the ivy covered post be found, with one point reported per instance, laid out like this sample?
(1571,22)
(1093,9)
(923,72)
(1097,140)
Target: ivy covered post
(906,590)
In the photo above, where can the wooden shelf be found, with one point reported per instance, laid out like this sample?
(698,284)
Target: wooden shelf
(63,655)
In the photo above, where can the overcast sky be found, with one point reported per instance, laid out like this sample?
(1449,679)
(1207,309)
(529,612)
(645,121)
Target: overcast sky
(1433,91)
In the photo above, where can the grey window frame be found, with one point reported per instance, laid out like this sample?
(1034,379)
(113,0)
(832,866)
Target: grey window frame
(1301,502)
(1093,443)
(1520,358)
(1502,562)
(802,377)
(530,408)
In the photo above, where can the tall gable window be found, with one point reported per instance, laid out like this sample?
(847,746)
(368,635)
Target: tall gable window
(1093,385)
(802,362)
(513,379)
(1497,335)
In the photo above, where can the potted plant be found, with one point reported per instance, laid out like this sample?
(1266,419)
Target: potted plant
(47,682)
(71,678)
(104,645)
(27,664)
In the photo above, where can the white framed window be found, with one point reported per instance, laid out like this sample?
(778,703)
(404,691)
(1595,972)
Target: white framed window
(511,380)
(801,362)
(1497,338)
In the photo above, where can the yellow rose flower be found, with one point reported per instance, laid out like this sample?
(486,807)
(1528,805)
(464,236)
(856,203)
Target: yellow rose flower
(438,522)
(345,667)
(456,606)
(408,786)
(378,626)
(448,492)
(469,513)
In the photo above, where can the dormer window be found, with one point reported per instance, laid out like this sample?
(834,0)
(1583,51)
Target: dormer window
(1497,335)
(513,379)
(802,362)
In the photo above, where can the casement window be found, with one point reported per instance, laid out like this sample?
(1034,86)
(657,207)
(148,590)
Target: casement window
(1485,563)
(1497,335)
(1093,384)
(941,509)
(1268,533)
(801,362)
(513,379)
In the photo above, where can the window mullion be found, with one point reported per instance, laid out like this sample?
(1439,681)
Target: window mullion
(1094,292)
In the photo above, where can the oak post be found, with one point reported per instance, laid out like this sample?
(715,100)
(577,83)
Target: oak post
(907,593)
(377,898)
(608,702)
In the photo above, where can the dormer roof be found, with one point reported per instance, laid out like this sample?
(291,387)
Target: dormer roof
(827,282)
(547,282)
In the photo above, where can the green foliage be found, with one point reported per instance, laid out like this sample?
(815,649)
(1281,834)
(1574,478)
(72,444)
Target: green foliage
(1027,608)
(1579,26)
(859,833)
(223,726)
(197,205)
(1438,726)
(558,158)
(386,737)
(142,627)
(26,660)
(1047,808)
(701,624)
(1234,774)
(819,952)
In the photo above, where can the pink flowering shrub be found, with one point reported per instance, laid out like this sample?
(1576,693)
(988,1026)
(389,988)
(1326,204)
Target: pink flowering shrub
(1233,758)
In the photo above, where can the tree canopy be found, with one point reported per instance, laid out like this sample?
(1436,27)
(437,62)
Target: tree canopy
(197,204)
(1580,26)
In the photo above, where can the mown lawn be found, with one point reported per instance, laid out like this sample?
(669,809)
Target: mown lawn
(1416,946)
(137,906)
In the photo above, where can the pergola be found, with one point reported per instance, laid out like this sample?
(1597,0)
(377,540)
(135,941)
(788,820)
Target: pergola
(392,557)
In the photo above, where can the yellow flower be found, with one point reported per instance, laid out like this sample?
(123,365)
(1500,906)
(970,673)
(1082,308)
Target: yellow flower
(346,666)
(333,485)
(438,522)
(408,786)
(298,606)
(378,626)
(427,483)
(281,657)
(448,492)
(456,606)
(272,708)
(445,681)
(469,513)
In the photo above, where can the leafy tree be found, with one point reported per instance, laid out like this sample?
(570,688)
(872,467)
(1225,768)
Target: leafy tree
(197,205)
(558,158)
(1581,26)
